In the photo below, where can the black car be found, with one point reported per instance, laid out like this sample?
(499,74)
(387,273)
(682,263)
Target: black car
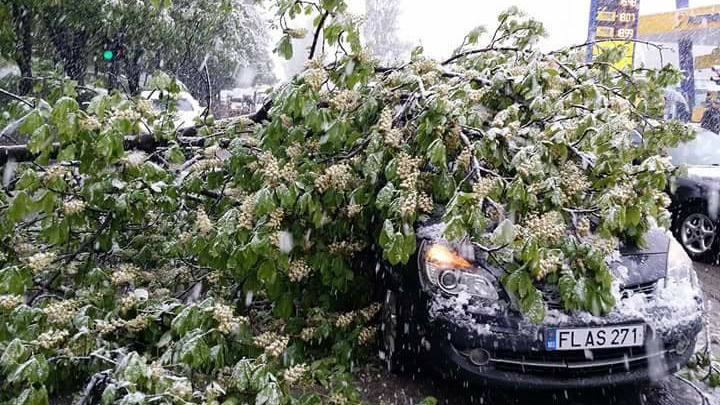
(448,306)
(696,196)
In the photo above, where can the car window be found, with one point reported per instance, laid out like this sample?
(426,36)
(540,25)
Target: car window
(703,150)
(182,104)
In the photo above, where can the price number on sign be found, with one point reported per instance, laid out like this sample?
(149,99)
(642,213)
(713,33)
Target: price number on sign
(627,17)
(626,33)
(628,3)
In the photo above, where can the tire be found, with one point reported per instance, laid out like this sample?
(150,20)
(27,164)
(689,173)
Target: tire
(697,233)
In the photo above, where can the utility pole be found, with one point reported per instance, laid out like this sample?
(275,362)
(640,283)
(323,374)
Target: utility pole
(687,63)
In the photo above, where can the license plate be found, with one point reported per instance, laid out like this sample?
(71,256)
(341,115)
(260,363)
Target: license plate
(594,338)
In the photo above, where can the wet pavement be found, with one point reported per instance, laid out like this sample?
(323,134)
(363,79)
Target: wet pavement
(383,388)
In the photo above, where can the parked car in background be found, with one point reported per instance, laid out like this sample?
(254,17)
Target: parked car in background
(696,196)
(187,108)
(448,305)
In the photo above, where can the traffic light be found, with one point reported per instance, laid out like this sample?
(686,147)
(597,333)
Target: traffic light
(113,52)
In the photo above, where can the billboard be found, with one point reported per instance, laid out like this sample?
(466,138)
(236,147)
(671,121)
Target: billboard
(613,23)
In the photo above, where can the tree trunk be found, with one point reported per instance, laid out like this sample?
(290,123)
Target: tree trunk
(23,16)
(133,71)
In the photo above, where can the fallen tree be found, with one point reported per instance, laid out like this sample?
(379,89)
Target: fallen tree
(240,263)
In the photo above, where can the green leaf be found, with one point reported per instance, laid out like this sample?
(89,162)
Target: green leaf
(268,395)
(264,202)
(455,229)
(284,47)
(32,396)
(385,196)
(438,154)
(267,271)
(195,352)
(504,234)
(20,207)
(633,215)
(284,307)
(13,355)
(31,122)
(242,375)
(34,370)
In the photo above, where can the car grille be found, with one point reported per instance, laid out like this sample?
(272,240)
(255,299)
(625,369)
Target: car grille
(601,361)
(552,298)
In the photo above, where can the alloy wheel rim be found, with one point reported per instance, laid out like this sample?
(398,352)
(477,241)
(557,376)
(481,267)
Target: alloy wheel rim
(697,233)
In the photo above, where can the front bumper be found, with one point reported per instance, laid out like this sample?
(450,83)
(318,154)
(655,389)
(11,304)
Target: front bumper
(517,356)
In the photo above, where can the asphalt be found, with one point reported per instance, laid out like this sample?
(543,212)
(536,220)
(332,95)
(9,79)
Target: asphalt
(383,388)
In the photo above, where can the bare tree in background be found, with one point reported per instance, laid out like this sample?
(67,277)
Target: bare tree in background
(381,30)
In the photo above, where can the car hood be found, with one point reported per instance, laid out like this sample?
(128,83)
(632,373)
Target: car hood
(642,265)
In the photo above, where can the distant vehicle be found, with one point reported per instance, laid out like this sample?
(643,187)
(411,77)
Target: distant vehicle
(696,197)
(187,108)
(447,305)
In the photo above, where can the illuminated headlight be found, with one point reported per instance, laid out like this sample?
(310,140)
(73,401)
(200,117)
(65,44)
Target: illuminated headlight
(679,266)
(453,274)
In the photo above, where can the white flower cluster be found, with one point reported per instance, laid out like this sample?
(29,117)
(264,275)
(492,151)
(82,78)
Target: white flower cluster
(205,165)
(548,264)
(308,334)
(345,100)
(407,170)
(345,320)
(9,302)
(227,321)
(602,244)
(661,198)
(464,158)
(353,210)
(296,33)
(137,324)
(345,248)
(89,124)
(246,218)
(483,187)
(128,114)
(73,207)
(369,313)
(107,327)
(276,218)
(574,181)
(182,389)
(204,223)
(337,177)
(129,302)
(547,227)
(529,166)
(299,270)
(54,171)
(315,78)
(61,312)
(40,261)
(145,108)
(124,274)
(475,96)
(134,159)
(273,343)
(295,373)
(52,338)
(367,335)
(583,226)
(423,66)
(315,63)
(338,399)
(622,193)
(235,193)
(425,202)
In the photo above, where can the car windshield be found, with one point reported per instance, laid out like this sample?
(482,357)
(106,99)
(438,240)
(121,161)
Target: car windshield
(181,104)
(703,150)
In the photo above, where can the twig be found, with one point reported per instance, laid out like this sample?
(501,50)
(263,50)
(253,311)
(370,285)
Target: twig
(476,51)
(317,34)
(209,91)
(99,380)
(16,97)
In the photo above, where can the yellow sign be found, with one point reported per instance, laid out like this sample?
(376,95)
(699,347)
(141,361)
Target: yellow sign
(627,59)
(605,32)
(606,16)
(681,20)
(708,61)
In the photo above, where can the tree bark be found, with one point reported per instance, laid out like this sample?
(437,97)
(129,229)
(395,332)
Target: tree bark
(23,17)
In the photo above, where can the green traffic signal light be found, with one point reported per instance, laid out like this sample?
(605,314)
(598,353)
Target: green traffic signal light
(107,54)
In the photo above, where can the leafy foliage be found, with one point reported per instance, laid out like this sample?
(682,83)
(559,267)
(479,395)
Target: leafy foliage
(233,263)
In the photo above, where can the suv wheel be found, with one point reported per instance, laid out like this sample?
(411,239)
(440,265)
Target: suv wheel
(697,233)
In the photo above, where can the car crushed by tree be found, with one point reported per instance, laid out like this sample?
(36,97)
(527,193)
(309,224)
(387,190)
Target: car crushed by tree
(248,259)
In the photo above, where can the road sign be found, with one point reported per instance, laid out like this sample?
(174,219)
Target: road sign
(613,23)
